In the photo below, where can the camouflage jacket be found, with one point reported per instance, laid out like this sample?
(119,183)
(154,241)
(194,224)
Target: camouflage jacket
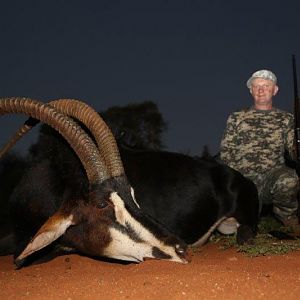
(254,141)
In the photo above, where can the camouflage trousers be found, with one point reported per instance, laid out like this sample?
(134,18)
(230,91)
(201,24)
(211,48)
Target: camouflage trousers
(279,187)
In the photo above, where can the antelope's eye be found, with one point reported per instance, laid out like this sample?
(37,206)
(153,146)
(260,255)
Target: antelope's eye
(102,204)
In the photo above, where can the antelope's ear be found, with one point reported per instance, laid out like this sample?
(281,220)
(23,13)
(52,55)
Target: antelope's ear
(54,227)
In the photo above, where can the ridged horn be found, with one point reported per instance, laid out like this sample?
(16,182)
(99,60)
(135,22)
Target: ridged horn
(27,126)
(92,120)
(78,139)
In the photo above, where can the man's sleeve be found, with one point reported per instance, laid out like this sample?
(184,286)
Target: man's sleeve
(290,138)
(228,146)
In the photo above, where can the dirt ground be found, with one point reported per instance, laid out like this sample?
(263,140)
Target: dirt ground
(213,274)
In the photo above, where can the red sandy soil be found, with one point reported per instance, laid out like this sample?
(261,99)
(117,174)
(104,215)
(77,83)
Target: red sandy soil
(212,274)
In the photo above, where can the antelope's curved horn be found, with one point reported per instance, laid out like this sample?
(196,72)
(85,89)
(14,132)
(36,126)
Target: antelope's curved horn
(78,139)
(92,120)
(27,126)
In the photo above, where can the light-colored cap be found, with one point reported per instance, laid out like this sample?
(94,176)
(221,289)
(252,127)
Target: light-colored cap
(264,74)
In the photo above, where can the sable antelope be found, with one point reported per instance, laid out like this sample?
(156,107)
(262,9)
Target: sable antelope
(85,202)
(190,196)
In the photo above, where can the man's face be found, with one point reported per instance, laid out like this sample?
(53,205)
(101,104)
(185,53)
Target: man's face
(263,91)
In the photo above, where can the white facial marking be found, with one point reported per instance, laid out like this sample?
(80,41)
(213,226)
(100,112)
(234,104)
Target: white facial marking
(133,197)
(119,239)
(124,248)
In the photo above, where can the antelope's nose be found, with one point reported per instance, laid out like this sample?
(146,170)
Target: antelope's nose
(183,253)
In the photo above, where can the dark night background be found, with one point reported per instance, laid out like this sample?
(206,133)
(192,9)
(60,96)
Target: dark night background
(190,57)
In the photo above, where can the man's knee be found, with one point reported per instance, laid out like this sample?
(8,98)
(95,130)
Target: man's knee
(287,184)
